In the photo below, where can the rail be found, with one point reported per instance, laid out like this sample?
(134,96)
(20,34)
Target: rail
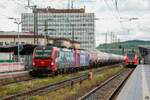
(97,92)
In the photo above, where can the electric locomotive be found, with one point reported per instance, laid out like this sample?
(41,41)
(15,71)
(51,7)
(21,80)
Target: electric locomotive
(49,59)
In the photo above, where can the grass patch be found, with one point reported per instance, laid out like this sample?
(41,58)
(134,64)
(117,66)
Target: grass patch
(28,85)
(24,86)
(78,89)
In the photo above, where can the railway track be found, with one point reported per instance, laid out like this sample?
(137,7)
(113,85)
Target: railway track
(10,78)
(109,88)
(52,87)
(5,82)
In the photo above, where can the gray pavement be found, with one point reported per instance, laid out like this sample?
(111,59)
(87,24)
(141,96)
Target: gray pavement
(138,85)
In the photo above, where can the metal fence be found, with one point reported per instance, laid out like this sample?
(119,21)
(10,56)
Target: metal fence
(27,59)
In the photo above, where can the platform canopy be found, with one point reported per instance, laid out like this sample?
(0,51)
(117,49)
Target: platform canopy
(145,53)
(24,49)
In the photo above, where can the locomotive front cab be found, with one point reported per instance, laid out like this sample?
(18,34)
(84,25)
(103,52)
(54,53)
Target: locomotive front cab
(42,59)
(131,59)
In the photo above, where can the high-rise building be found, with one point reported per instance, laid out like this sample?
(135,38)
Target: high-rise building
(74,24)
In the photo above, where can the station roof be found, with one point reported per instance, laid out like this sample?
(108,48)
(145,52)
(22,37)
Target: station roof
(144,49)
(25,49)
(144,46)
(21,36)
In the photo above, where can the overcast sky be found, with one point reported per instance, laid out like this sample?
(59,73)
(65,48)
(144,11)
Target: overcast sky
(110,19)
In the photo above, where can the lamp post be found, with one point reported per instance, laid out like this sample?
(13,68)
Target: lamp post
(46,28)
(18,23)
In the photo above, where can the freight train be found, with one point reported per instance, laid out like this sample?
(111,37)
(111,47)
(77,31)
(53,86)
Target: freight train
(131,60)
(49,59)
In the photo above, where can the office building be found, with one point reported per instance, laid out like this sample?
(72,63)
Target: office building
(73,24)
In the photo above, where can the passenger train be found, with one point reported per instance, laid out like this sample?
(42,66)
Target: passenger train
(49,59)
(131,60)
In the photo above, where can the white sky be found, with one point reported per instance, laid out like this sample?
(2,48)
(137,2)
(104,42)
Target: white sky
(109,20)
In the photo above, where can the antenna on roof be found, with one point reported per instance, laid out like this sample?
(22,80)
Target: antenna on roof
(72,4)
(28,3)
(68,4)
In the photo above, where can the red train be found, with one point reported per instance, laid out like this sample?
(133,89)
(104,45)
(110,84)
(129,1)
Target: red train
(50,59)
(131,60)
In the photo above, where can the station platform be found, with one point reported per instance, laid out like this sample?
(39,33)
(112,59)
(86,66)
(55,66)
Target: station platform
(138,85)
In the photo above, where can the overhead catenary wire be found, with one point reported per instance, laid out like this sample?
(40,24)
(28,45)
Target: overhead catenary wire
(112,10)
(116,4)
(108,6)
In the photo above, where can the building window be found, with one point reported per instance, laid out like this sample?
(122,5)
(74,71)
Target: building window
(17,43)
(22,42)
(76,37)
(1,43)
(6,43)
(12,43)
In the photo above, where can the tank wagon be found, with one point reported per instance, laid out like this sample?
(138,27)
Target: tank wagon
(49,59)
(102,58)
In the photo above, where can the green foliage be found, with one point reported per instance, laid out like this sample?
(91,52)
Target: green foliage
(28,85)
(117,48)
(25,86)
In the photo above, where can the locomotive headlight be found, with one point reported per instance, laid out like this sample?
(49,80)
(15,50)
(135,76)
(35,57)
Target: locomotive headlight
(42,62)
(52,63)
(33,63)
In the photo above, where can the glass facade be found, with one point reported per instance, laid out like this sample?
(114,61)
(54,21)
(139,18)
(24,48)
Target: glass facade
(63,25)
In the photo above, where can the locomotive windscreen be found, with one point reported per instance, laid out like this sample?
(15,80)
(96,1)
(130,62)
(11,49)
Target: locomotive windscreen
(42,53)
(131,57)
